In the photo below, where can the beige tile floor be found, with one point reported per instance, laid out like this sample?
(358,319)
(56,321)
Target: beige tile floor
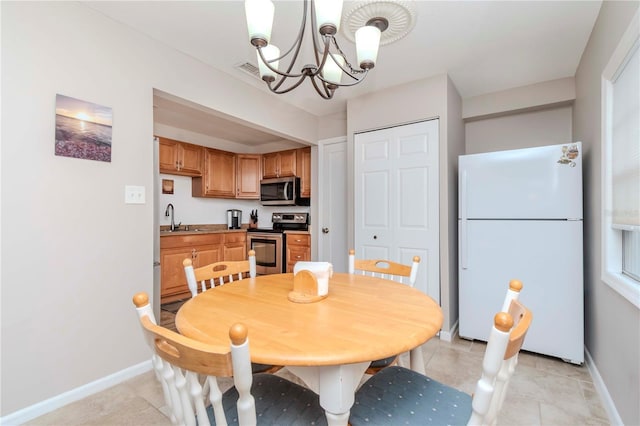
(544,391)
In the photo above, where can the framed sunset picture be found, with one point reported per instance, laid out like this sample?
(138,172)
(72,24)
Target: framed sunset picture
(83,129)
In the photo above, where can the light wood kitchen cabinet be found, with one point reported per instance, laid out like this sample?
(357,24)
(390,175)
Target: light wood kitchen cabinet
(298,249)
(248,173)
(303,169)
(174,249)
(235,246)
(180,158)
(279,164)
(218,177)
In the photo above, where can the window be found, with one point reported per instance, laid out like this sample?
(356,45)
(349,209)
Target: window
(621,167)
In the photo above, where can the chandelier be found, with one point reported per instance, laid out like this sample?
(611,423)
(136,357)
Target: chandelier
(331,64)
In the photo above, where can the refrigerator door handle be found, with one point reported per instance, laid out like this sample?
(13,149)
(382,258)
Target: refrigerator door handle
(463,221)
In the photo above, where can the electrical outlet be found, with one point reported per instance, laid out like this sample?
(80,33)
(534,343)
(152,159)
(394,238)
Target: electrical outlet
(134,194)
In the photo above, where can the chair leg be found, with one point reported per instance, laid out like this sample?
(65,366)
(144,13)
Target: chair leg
(273,369)
(374,370)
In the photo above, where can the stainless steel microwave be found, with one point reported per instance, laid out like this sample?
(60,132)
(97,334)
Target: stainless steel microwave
(281,192)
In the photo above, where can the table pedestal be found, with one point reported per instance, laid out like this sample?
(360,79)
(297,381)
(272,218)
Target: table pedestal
(336,385)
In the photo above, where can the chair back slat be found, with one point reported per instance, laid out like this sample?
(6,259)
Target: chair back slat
(187,353)
(218,273)
(385,269)
(522,318)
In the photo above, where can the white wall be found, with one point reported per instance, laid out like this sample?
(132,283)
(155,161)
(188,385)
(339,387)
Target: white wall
(538,95)
(455,147)
(612,328)
(519,130)
(73,253)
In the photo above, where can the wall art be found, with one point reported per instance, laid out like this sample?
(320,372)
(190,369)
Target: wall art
(83,129)
(167,186)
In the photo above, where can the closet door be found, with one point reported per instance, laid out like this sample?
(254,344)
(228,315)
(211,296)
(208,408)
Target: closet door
(396,198)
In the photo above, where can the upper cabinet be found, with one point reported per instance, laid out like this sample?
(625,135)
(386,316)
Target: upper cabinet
(180,158)
(279,164)
(227,175)
(303,165)
(218,177)
(222,174)
(248,176)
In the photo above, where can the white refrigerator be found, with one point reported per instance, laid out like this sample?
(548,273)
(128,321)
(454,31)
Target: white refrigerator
(520,216)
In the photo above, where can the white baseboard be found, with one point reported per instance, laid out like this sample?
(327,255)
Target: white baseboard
(607,401)
(447,336)
(51,404)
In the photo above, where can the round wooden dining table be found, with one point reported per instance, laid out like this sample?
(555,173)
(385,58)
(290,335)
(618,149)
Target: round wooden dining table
(328,343)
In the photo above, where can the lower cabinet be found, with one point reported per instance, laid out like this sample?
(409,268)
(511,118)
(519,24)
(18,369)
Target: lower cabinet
(298,249)
(235,246)
(202,250)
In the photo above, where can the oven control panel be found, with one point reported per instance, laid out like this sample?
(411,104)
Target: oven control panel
(301,218)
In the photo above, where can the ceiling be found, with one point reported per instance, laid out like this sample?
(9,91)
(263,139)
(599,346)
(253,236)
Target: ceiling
(484,46)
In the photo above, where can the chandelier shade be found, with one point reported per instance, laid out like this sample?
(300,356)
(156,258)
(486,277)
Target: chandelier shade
(330,66)
(271,53)
(259,15)
(367,40)
(332,70)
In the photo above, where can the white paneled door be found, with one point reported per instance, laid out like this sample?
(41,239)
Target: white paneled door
(333,205)
(396,205)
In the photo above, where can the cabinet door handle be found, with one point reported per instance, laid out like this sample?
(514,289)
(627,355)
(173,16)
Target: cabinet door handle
(194,253)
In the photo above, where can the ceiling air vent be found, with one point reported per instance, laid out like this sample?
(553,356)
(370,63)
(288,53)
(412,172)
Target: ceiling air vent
(250,69)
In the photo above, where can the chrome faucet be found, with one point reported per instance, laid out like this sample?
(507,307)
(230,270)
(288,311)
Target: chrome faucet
(173,227)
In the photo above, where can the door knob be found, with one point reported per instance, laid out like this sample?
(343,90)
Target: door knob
(325,230)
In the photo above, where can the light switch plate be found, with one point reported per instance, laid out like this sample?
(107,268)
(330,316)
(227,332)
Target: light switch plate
(134,194)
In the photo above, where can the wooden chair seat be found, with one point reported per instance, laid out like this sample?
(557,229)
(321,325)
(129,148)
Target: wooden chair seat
(397,395)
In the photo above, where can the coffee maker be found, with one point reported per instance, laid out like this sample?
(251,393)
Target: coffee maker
(234,219)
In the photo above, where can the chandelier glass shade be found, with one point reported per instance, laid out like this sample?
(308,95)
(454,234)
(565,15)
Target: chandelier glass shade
(330,66)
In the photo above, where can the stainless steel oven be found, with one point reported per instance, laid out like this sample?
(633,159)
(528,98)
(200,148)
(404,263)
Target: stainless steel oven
(270,244)
(269,248)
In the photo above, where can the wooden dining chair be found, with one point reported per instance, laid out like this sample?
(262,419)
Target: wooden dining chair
(397,395)
(218,273)
(181,364)
(385,269)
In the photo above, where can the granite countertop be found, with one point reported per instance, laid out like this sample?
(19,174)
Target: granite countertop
(199,229)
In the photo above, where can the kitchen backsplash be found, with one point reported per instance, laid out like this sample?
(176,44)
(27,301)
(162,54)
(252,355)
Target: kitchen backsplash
(192,210)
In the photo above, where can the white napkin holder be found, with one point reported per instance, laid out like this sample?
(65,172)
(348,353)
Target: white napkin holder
(322,270)
(310,281)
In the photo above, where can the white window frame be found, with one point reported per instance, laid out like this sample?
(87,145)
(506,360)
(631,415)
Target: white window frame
(612,238)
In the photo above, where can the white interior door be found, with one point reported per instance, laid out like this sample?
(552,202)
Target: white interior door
(333,201)
(396,202)
(156,229)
